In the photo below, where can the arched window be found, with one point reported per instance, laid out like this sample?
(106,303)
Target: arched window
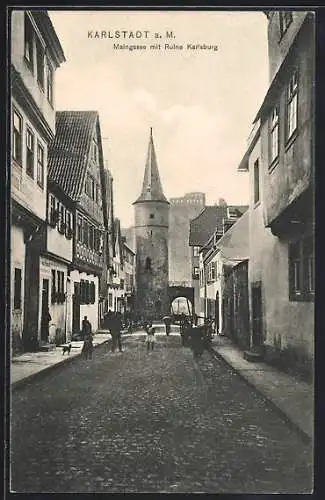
(148,264)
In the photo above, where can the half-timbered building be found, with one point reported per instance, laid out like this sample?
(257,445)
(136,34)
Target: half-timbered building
(76,165)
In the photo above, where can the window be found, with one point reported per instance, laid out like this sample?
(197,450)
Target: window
(30,153)
(275,134)
(201,277)
(301,269)
(151,216)
(196,272)
(292,104)
(40,165)
(53,289)
(28,49)
(17,137)
(101,242)
(285,21)
(17,288)
(57,293)
(86,233)
(211,272)
(148,264)
(97,194)
(91,237)
(49,91)
(62,224)
(40,63)
(91,187)
(196,251)
(256,182)
(110,300)
(79,228)
(68,228)
(87,292)
(51,209)
(59,282)
(96,240)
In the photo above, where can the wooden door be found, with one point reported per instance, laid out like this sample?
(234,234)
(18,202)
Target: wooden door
(45,311)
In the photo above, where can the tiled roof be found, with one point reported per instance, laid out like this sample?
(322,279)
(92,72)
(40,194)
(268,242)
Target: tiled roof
(210,219)
(69,151)
(151,186)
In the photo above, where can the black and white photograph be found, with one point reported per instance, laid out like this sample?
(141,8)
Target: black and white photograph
(161,173)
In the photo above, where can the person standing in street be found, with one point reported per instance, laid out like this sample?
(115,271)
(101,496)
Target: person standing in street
(88,347)
(116,327)
(150,339)
(167,321)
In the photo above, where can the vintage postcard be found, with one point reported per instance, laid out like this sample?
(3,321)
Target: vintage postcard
(161,251)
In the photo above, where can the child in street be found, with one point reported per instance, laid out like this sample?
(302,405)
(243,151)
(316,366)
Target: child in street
(150,339)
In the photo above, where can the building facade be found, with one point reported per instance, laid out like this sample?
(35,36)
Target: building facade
(116,283)
(76,165)
(182,211)
(54,264)
(280,162)
(224,281)
(36,53)
(107,277)
(129,279)
(151,239)
(205,230)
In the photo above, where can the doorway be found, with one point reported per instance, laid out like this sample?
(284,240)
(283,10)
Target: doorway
(257,319)
(45,311)
(76,309)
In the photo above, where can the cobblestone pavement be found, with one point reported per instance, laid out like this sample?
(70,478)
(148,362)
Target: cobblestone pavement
(158,422)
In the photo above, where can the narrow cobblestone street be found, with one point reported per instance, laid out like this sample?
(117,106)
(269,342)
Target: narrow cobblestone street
(158,422)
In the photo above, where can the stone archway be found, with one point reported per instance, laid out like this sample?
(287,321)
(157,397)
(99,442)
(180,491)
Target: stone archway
(181,305)
(175,292)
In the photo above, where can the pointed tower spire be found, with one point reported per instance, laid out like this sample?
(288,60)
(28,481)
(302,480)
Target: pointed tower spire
(151,186)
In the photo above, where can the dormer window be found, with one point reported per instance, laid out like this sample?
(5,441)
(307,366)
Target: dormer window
(285,21)
(196,251)
(231,213)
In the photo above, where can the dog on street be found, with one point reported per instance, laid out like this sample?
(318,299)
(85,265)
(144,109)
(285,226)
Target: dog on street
(66,348)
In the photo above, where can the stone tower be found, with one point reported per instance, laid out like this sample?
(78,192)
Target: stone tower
(151,240)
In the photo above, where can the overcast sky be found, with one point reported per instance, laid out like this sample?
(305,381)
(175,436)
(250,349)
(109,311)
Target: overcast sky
(201,103)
